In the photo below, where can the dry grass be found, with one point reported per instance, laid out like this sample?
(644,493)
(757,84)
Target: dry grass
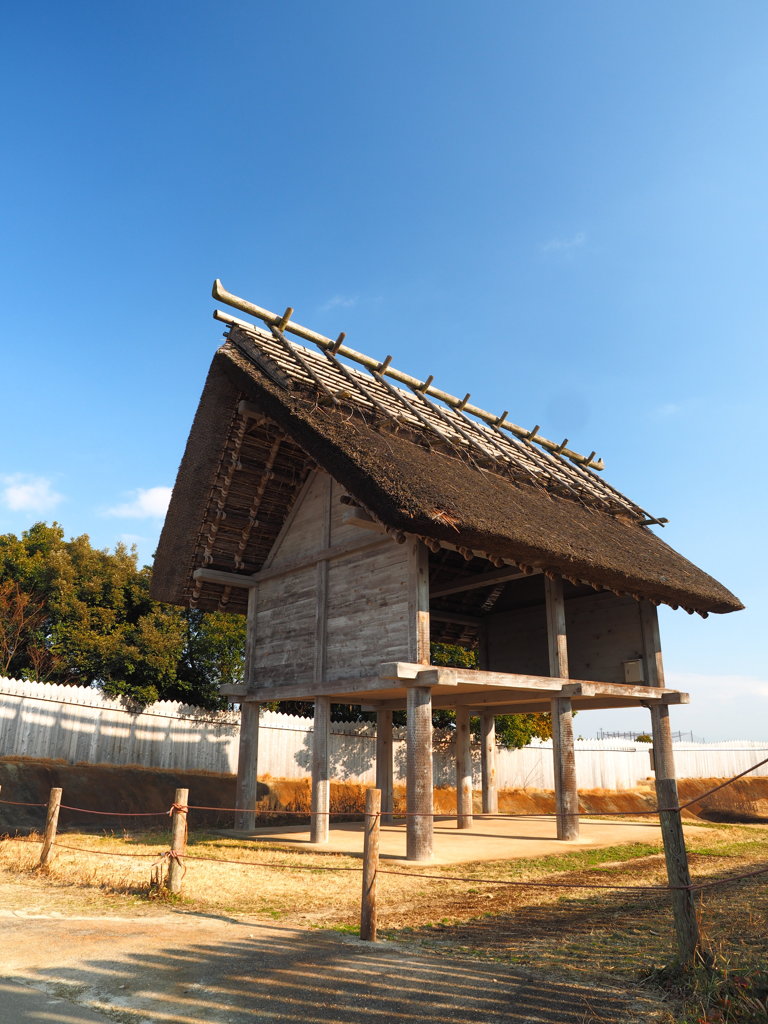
(608,934)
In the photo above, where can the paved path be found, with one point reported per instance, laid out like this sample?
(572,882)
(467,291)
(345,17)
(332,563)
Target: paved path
(197,969)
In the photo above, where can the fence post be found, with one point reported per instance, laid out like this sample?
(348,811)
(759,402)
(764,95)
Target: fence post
(178,839)
(51,823)
(370,865)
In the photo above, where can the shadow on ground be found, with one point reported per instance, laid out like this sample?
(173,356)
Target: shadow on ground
(255,973)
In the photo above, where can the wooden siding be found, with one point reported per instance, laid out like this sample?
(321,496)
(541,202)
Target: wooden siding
(367,617)
(603,631)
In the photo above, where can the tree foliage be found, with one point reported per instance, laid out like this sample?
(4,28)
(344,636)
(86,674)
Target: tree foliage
(512,731)
(84,616)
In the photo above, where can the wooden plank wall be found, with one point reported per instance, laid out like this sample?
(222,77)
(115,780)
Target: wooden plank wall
(603,632)
(367,615)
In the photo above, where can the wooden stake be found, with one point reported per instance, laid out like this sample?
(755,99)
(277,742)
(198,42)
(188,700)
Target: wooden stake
(51,823)
(178,839)
(463,769)
(370,865)
(675,853)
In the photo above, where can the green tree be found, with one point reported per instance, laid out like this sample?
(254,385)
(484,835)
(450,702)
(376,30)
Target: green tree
(95,623)
(512,731)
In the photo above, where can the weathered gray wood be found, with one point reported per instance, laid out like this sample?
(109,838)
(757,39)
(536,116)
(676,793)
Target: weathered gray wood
(653,663)
(51,824)
(368,921)
(475,581)
(321,779)
(178,839)
(233,579)
(418,600)
(488,763)
(425,387)
(566,791)
(675,853)
(419,823)
(246,786)
(384,764)
(603,632)
(678,874)
(463,769)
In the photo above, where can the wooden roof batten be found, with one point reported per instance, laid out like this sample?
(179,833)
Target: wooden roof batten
(494,443)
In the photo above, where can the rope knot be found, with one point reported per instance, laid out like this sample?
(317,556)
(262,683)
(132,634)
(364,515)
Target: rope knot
(181,808)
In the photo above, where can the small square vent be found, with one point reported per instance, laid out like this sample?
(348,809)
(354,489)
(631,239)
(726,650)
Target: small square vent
(633,671)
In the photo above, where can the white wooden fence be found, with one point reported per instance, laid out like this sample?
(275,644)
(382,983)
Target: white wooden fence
(79,724)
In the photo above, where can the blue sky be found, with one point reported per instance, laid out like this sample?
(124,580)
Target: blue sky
(558,207)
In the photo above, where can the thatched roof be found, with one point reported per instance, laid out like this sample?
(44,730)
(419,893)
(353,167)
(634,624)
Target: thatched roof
(272,410)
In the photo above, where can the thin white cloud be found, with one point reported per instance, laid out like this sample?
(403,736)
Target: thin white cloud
(564,245)
(667,410)
(723,689)
(24,493)
(149,503)
(338,302)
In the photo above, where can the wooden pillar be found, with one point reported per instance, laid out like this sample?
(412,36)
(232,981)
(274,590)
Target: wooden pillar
(488,762)
(384,769)
(675,853)
(566,790)
(246,787)
(463,769)
(419,823)
(321,778)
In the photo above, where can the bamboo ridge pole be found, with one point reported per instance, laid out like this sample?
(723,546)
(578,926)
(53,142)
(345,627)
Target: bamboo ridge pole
(220,293)
(368,919)
(178,839)
(51,824)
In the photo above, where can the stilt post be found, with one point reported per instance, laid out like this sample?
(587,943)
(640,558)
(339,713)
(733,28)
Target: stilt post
(419,822)
(566,790)
(384,767)
(488,762)
(463,769)
(321,779)
(246,787)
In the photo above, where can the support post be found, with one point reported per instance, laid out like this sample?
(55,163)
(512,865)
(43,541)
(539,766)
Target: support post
(51,824)
(384,767)
(178,839)
(488,763)
(246,787)
(370,865)
(321,778)
(419,774)
(463,769)
(675,852)
(566,789)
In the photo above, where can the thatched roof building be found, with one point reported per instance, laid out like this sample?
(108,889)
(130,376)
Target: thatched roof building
(358,515)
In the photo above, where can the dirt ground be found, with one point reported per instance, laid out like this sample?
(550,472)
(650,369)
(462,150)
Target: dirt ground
(85,944)
(179,968)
